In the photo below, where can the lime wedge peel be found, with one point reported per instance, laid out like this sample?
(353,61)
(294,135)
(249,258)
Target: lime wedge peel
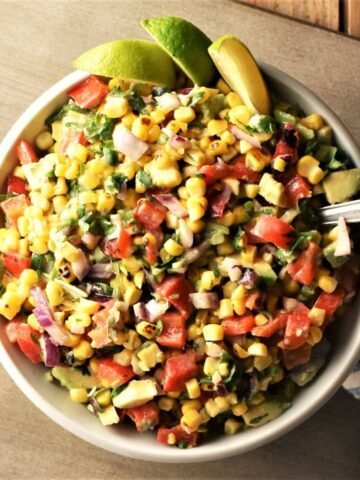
(134,60)
(240,71)
(186,44)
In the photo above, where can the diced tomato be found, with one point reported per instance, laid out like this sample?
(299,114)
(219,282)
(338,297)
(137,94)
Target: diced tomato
(173,334)
(15,207)
(100,334)
(297,330)
(149,215)
(16,185)
(176,290)
(238,325)
(178,370)
(28,341)
(215,172)
(273,230)
(291,305)
(296,189)
(252,300)
(72,136)
(145,417)
(11,329)
(16,264)
(25,152)
(329,302)
(123,245)
(304,268)
(241,171)
(296,357)
(112,374)
(217,201)
(187,439)
(278,323)
(89,93)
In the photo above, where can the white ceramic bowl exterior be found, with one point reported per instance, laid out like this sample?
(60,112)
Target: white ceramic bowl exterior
(55,402)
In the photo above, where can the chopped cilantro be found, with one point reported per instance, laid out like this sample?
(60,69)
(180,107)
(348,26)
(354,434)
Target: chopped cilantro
(60,114)
(100,127)
(144,179)
(236,240)
(110,156)
(113,183)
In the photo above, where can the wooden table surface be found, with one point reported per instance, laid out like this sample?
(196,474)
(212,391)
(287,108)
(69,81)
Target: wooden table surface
(39,39)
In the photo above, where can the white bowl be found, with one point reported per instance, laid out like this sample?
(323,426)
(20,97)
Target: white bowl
(55,402)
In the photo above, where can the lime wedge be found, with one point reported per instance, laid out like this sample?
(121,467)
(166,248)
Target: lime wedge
(186,44)
(239,69)
(135,60)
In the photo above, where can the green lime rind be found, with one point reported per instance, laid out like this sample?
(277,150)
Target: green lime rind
(240,71)
(186,44)
(134,60)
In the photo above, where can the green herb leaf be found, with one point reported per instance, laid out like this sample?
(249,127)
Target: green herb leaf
(60,114)
(114,183)
(100,127)
(215,233)
(144,179)
(236,240)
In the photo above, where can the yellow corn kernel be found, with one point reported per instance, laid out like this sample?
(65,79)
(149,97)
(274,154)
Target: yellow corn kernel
(157,116)
(211,408)
(60,170)
(240,114)
(228,218)
(173,248)
(208,280)
(290,286)
(210,366)
(88,197)
(261,319)
(77,322)
(61,187)
(327,284)
(44,140)
(195,226)
(239,409)
(141,126)
(139,279)
(313,121)
(128,119)
(54,293)
(249,255)
(124,357)
(195,187)
(77,153)
(18,172)
(240,351)
(132,340)
(171,440)
(171,220)
(89,180)
(106,202)
(315,335)
(32,321)
(195,208)
(250,190)
(317,316)
(309,168)
(257,399)
(28,277)
(132,295)
(217,147)
(231,426)
(166,404)
(115,107)
(154,133)
(69,252)
(240,215)
(225,248)
(39,246)
(216,127)
(23,225)
(229,288)
(260,363)
(183,193)
(193,388)
(193,332)
(184,114)
(258,349)
(79,395)
(104,398)
(213,333)
(59,203)
(245,146)
(233,99)
(257,159)
(174,394)
(146,329)
(191,420)
(88,306)
(222,86)
(222,404)
(83,350)
(226,309)
(39,201)
(279,164)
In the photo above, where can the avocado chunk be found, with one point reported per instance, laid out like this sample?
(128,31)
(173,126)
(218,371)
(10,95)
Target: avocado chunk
(136,393)
(266,274)
(271,190)
(73,378)
(258,415)
(341,186)
(329,254)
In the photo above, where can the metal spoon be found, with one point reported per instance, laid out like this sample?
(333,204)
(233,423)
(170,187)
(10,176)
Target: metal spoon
(349,210)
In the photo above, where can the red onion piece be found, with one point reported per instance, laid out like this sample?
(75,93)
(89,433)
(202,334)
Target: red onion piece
(168,102)
(213,349)
(231,267)
(50,352)
(81,266)
(150,279)
(192,255)
(127,143)
(241,135)
(205,300)
(140,311)
(343,245)
(171,203)
(185,234)
(249,278)
(156,309)
(89,240)
(178,142)
(218,201)
(102,271)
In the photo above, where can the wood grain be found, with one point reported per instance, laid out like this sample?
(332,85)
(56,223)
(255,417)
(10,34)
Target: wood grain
(352,17)
(319,12)
(39,39)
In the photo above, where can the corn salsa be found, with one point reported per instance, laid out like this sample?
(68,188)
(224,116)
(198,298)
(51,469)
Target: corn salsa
(163,256)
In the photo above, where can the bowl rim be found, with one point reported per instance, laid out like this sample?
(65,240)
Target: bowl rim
(269,432)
